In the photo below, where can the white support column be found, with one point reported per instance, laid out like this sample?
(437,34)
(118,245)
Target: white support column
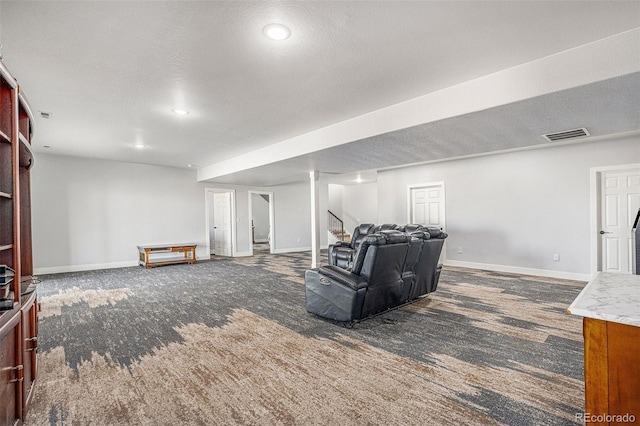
(314,176)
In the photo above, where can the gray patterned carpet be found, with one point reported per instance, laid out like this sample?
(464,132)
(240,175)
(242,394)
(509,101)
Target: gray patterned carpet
(229,342)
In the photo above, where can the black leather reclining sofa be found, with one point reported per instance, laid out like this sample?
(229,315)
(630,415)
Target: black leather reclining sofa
(390,267)
(342,253)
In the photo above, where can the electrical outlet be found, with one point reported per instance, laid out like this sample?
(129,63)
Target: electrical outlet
(556,257)
(459,250)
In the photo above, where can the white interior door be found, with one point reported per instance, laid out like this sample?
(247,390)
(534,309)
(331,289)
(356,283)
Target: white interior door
(222,223)
(620,202)
(427,205)
(210,225)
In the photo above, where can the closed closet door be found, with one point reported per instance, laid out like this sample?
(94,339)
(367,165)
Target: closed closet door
(427,206)
(620,202)
(222,223)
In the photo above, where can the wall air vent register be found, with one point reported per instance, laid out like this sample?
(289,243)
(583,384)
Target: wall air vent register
(567,134)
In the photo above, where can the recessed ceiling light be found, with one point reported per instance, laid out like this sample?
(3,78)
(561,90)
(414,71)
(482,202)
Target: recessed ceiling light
(180,111)
(276,32)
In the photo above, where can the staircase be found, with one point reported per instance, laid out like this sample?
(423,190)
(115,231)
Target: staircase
(347,237)
(335,226)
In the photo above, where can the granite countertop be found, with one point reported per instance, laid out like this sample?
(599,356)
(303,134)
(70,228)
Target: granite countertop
(610,297)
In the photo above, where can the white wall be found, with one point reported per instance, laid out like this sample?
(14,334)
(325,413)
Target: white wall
(515,209)
(90,214)
(93,213)
(335,196)
(360,205)
(292,216)
(354,204)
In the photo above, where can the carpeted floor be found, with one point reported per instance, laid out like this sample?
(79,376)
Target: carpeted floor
(229,341)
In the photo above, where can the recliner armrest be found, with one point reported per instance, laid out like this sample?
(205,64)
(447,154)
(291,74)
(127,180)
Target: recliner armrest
(343,277)
(340,244)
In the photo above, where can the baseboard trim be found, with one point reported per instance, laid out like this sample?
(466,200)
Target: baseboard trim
(91,267)
(520,270)
(473,265)
(86,267)
(291,250)
(242,254)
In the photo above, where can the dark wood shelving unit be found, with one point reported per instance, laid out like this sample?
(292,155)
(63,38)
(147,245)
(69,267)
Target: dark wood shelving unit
(19,313)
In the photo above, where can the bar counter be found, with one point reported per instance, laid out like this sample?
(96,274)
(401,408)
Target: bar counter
(610,305)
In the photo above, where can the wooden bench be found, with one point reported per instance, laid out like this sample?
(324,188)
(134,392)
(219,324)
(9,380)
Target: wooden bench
(189,251)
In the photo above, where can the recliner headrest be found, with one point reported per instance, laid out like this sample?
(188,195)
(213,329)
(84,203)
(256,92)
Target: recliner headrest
(365,228)
(382,238)
(395,236)
(373,240)
(409,228)
(436,232)
(385,237)
(423,234)
(385,227)
(359,233)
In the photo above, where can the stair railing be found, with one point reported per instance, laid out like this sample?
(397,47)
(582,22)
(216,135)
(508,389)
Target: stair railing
(335,225)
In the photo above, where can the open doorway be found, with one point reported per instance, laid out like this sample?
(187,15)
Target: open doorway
(220,212)
(261,222)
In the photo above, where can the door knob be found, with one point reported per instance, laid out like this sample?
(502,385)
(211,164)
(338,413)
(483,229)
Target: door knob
(603,232)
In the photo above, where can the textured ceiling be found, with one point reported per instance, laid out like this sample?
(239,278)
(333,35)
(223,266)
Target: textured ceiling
(110,72)
(609,107)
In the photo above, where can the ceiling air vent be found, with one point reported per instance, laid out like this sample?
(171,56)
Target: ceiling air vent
(567,134)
